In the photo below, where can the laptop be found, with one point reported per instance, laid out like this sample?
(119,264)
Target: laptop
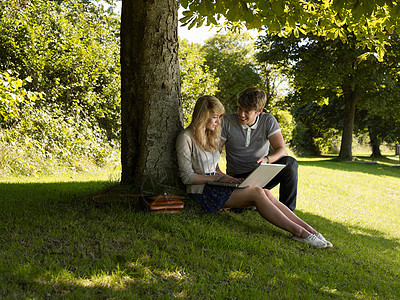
(263,174)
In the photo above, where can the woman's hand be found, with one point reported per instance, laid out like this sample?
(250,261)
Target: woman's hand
(221,177)
(230,179)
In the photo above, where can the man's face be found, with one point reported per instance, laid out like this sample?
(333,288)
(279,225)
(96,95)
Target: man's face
(247,117)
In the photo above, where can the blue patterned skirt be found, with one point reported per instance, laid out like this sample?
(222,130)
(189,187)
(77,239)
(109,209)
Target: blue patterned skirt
(213,197)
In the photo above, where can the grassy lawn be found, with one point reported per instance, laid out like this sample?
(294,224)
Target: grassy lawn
(58,243)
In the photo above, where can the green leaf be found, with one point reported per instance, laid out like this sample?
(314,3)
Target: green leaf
(370,5)
(381,2)
(389,3)
(381,53)
(338,4)
(185,20)
(363,57)
(200,22)
(296,33)
(395,11)
(342,36)
(278,7)
(274,26)
(210,6)
(184,3)
(192,23)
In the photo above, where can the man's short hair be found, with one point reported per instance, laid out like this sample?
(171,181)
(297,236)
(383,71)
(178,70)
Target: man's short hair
(252,99)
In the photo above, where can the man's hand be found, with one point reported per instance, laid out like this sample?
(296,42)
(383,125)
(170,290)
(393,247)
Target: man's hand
(263,160)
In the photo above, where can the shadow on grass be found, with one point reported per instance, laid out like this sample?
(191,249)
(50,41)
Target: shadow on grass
(57,242)
(53,190)
(329,162)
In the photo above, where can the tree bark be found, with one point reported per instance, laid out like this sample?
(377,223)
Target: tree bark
(375,142)
(351,97)
(150,92)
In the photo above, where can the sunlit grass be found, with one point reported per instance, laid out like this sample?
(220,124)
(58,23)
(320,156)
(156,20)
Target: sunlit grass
(354,193)
(110,172)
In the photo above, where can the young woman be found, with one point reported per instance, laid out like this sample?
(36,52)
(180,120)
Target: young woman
(198,155)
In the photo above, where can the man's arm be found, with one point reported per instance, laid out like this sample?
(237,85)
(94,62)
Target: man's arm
(277,143)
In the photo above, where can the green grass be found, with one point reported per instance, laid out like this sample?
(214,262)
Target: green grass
(58,243)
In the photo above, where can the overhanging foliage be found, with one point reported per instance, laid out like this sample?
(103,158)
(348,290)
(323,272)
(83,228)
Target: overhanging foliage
(369,21)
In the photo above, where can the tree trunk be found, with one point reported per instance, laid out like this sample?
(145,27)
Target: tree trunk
(150,93)
(375,142)
(350,98)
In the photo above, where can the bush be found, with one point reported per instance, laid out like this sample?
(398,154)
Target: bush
(48,141)
(285,121)
(34,140)
(302,141)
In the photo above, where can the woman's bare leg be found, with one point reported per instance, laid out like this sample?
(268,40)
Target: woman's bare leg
(268,210)
(288,213)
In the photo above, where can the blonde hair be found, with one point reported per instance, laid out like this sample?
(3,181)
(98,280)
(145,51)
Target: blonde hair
(205,107)
(252,99)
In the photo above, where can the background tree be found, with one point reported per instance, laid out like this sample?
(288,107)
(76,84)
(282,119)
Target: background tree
(231,56)
(274,82)
(196,77)
(382,107)
(379,114)
(325,72)
(316,130)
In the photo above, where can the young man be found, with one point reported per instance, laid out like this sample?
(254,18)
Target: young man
(247,137)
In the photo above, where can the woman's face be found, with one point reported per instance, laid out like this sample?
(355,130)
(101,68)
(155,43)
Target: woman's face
(213,121)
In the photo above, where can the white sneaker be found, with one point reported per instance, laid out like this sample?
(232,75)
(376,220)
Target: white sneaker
(321,237)
(312,240)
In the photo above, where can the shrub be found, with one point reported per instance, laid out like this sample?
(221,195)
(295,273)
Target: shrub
(34,140)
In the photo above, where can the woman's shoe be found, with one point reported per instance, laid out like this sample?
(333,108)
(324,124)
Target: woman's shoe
(312,240)
(321,237)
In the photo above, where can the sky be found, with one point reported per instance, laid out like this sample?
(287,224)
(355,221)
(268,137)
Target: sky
(199,35)
(195,35)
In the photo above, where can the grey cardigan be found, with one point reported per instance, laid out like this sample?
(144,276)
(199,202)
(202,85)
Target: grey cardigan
(193,160)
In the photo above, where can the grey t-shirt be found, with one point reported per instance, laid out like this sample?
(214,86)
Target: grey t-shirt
(239,158)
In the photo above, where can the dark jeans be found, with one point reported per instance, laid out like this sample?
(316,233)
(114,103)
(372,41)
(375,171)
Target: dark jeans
(287,178)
